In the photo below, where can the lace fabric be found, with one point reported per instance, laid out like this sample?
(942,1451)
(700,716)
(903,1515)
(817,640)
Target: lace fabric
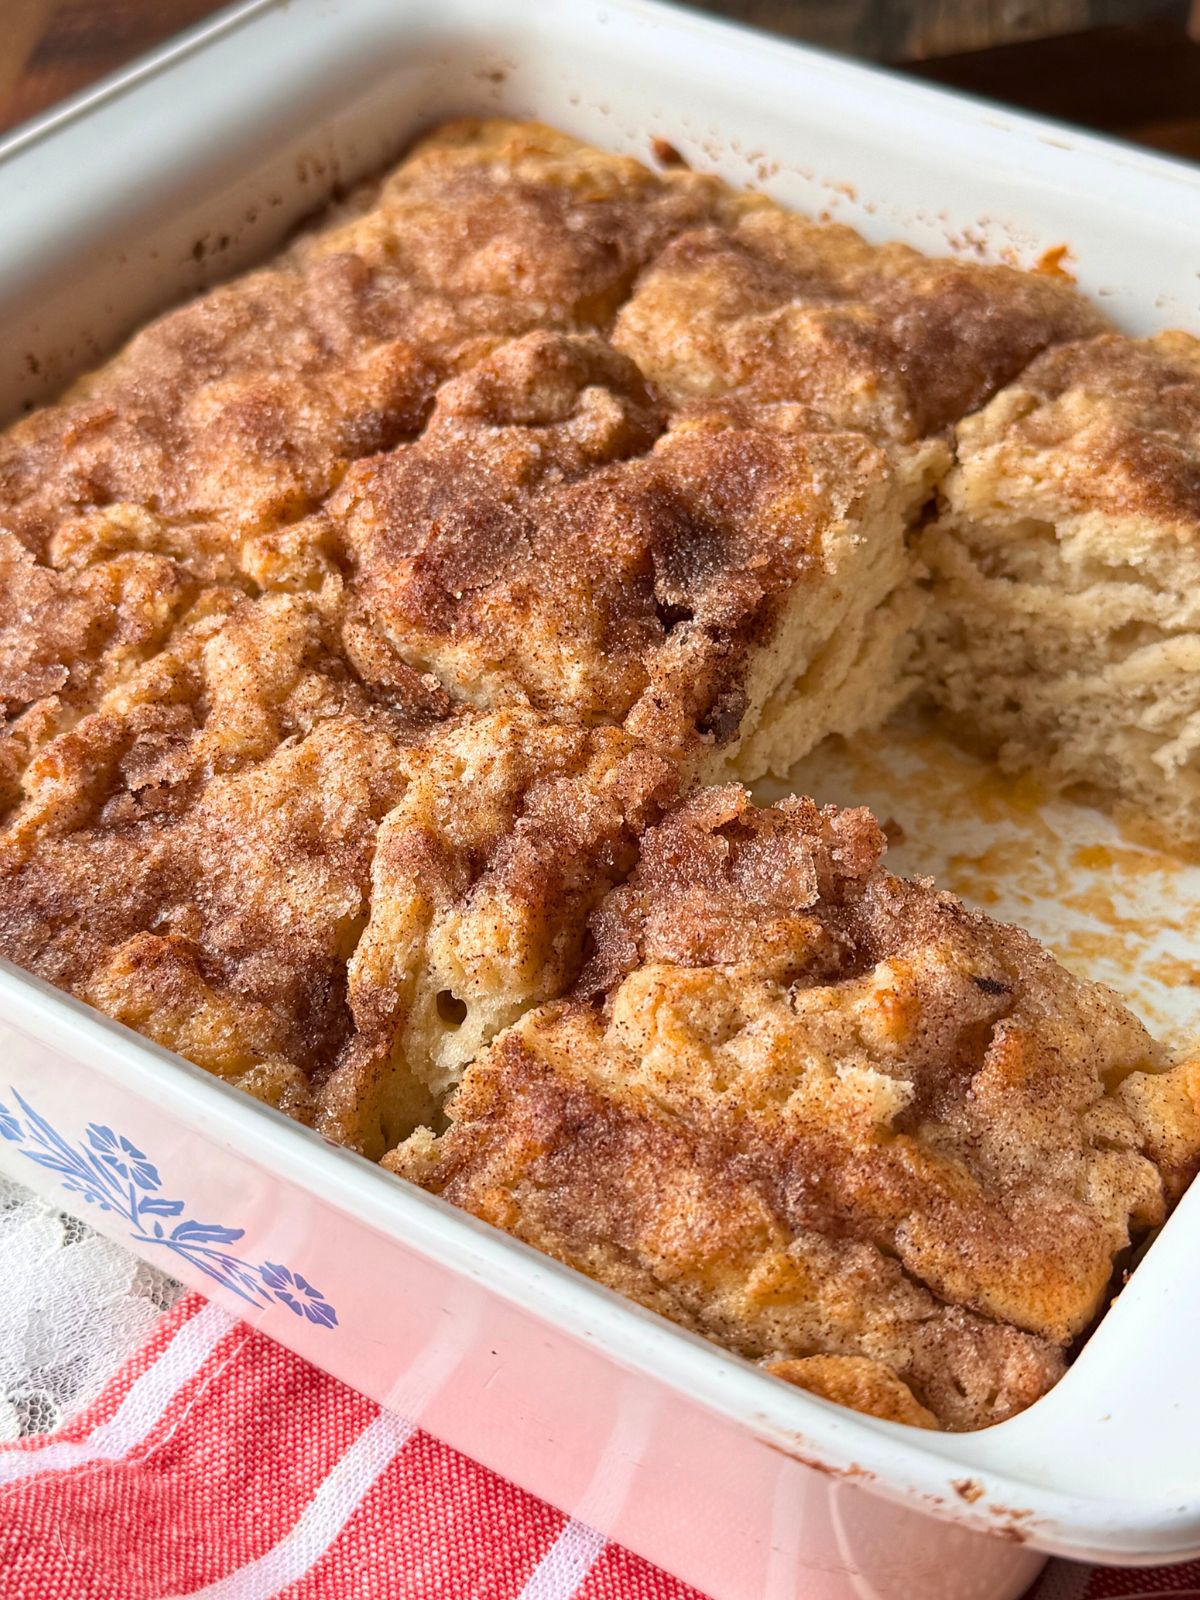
(74,1306)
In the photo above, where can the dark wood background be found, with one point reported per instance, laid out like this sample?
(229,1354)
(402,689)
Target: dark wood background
(1140,80)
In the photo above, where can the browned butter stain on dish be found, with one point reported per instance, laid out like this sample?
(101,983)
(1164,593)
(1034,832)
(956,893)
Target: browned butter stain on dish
(1002,1522)
(849,1474)
(1010,1522)
(1012,1531)
(665,153)
(1095,857)
(1169,969)
(1109,905)
(1052,263)
(1100,902)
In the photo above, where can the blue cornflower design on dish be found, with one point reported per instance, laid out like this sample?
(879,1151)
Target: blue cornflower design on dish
(108,1171)
(298,1294)
(126,1160)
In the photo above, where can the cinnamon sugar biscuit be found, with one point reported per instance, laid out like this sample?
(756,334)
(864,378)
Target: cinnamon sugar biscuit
(813,1110)
(368,622)
(509,831)
(728,584)
(1065,633)
(239,411)
(193,856)
(878,338)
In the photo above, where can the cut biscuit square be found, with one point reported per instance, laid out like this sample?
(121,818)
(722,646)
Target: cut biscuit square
(878,338)
(238,411)
(1065,630)
(726,583)
(826,1115)
(193,855)
(510,829)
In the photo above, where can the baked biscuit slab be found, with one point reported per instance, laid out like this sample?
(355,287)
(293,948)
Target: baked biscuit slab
(1065,632)
(882,339)
(730,586)
(193,856)
(816,1111)
(510,830)
(238,412)
(490,213)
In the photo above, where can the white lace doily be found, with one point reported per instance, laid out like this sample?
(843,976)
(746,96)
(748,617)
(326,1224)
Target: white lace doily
(74,1307)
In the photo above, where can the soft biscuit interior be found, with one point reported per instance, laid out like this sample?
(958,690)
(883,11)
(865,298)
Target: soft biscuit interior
(370,624)
(1065,627)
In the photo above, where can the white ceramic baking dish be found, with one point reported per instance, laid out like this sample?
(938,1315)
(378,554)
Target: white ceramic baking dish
(197,161)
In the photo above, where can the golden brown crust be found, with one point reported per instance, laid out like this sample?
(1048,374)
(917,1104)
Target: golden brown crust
(238,411)
(73,638)
(886,339)
(548,1141)
(856,1382)
(230,415)
(490,213)
(221,931)
(720,884)
(270,844)
(509,831)
(978,1050)
(194,856)
(809,1108)
(1108,423)
(545,542)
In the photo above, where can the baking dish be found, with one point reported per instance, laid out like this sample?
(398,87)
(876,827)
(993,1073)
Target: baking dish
(197,162)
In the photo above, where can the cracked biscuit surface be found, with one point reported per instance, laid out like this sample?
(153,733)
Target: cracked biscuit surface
(321,892)
(878,338)
(193,856)
(726,583)
(238,411)
(818,1112)
(492,214)
(1066,627)
(509,831)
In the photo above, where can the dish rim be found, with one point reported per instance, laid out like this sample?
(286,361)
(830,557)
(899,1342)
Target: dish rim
(907,1465)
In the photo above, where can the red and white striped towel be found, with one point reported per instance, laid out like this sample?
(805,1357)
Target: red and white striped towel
(217,1464)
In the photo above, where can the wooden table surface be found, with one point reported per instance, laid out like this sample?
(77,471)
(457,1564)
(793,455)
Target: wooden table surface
(1140,82)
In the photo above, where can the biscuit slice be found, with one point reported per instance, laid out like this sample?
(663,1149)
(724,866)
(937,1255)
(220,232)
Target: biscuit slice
(238,412)
(1065,633)
(827,1117)
(510,830)
(490,214)
(884,339)
(193,856)
(276,849)
(730,585)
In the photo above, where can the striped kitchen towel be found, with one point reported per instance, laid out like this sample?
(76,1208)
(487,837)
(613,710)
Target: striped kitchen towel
(217,1464)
